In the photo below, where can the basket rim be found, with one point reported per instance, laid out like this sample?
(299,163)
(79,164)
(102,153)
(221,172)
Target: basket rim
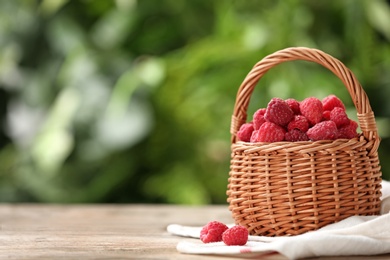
(305,147)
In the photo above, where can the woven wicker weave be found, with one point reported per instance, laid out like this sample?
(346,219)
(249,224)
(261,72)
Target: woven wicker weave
(289,188)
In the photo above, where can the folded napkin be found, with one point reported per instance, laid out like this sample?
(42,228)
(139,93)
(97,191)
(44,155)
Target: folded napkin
(356,235)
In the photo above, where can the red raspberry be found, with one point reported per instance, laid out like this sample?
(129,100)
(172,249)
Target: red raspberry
(235,236)
(348,131)
(245,132)
(299,122)
(325,130)
(339,116)
(258,118)
(295,135)
(212,232)
(254,136)
(294,105)
(312,109)
(326,115)
(278,112)
(331,102)
(261,111)
(268,132)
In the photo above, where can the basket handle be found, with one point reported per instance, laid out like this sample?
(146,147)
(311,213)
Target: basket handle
(359,97)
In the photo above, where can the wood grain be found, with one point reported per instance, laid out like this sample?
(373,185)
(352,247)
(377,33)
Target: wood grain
(44,231)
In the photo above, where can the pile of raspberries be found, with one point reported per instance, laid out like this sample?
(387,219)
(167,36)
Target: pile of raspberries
(290,120)
(216,231)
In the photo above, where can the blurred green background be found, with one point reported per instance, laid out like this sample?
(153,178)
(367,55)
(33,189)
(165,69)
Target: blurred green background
(130,101)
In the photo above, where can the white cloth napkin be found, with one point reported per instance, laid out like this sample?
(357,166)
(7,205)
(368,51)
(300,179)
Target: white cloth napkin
(356,235)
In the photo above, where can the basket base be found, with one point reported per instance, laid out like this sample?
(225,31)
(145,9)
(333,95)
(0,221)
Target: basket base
(279,189)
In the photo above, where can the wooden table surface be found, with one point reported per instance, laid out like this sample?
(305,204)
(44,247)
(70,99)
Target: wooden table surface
(46,231)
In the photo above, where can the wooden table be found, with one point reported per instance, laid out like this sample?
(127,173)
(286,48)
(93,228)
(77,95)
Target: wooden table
(44,231)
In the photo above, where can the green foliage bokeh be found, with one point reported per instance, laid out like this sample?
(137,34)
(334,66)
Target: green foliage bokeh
(130,101)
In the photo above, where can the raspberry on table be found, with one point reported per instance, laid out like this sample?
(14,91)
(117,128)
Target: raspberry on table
(339,116)
(258,118)
(212,232)
(245,132)
(299,122)
(296,135)
(278,112)
(331,102)
(235,236)
(312,109)
(268,132)
(348,131)
(325,130)
(294,105)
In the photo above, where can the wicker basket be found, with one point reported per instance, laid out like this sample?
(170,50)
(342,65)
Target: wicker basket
(289,188)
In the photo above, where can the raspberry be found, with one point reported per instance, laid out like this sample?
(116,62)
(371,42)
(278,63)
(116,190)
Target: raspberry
(312,109)
(268,132)
(325,130)
(235,236)
(326,115)
(261,111)
(339,116)
(331,102)
(212,232)
(278,112)
(294,105)
(254,136)
(258,118)
(245,132)
(348,131)
(299,122)
(295,135)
